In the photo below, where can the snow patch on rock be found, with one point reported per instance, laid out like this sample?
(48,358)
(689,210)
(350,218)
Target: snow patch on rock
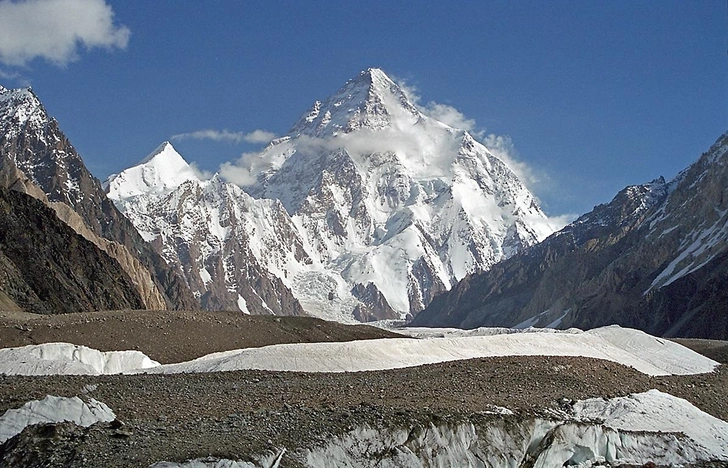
(66,358)
(53,409)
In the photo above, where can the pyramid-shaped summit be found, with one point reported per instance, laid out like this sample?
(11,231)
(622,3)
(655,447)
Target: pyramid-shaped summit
(366,210)
(371,100)
(162,171)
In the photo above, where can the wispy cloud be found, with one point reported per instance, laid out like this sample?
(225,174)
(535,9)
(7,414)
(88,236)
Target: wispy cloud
(256,136)
(452,117)
(245,170)
(502,147)
(15,77)
(443,112)
(259,136)
(55,29)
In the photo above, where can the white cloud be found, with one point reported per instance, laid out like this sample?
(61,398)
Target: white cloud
(256,136)
(209,134)
(201,174)
(259,136)
(16,77)
(55,29)
(559,221)
(245,170)
(410,91)
(502,147)
(446,114)
(452,117)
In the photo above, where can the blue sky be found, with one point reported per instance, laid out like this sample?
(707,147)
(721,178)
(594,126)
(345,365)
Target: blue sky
(594,95)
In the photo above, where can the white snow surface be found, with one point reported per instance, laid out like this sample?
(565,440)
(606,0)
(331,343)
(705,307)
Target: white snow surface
(159,173)
(375,192)
(53,409)
(647,354)
(66,359)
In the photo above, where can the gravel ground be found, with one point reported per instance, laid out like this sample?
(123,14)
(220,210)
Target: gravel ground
(236,414)
(174,336)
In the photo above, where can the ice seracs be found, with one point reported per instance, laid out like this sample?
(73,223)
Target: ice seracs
(627,431)
(53,409)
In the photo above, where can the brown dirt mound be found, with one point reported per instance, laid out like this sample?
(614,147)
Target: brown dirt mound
(174,336)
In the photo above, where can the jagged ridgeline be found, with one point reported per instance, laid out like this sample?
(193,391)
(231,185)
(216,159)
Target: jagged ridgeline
(654,258)
(37,159)
(366,209)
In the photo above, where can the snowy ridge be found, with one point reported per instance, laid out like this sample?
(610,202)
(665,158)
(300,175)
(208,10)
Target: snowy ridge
(371,100)
(23,119)
(647,354)
(20,108)
(391,200)
(158,174)
(695,212)
(226,238)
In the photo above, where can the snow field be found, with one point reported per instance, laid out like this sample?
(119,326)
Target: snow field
(647,354)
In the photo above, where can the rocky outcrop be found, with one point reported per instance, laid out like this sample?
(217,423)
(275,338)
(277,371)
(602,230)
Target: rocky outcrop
(36,158)
(48,268)
(654,258)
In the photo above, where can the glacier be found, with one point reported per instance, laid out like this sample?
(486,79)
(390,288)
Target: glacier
(629,347)
(633,430)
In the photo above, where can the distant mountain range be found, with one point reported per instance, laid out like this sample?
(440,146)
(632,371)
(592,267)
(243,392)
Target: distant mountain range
(654,258)
(365,210)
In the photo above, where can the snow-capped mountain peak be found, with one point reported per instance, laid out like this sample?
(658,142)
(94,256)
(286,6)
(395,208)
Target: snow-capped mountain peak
(371,100)
(18,108)
(162,171)
(379,208)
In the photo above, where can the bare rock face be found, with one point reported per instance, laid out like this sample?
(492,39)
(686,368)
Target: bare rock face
(49,268)
(654,258)
(36,158)
(140,276)
(373,304)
